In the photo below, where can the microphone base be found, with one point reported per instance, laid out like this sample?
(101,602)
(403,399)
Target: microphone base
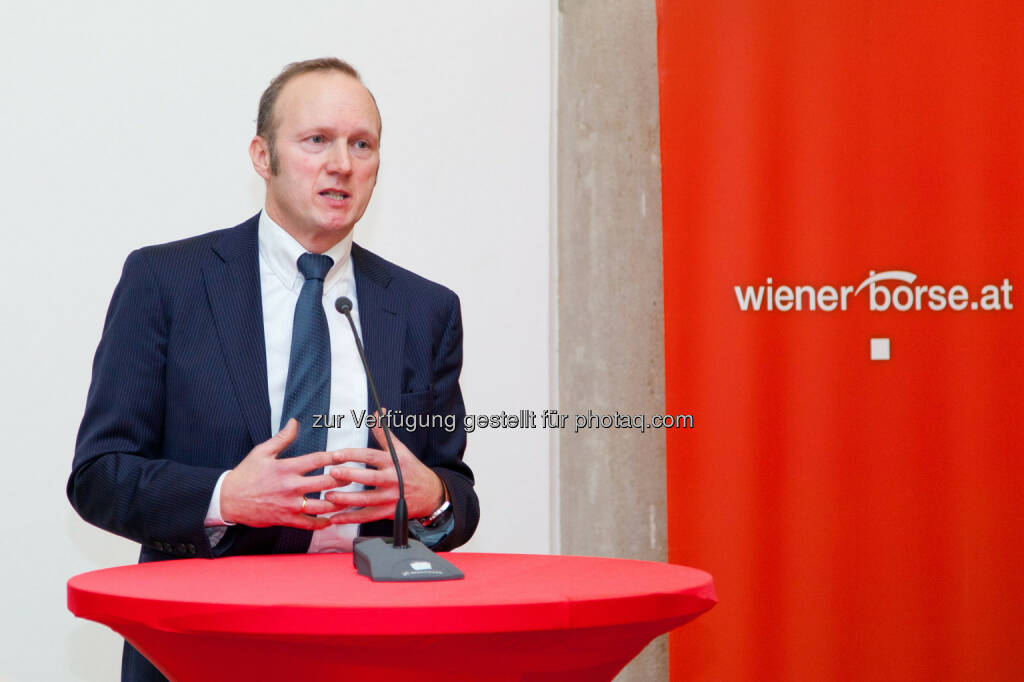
(377,559)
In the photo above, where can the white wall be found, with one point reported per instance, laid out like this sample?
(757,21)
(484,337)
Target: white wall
(126,123)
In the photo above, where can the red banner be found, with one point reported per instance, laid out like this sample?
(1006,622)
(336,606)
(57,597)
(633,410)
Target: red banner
(843,201)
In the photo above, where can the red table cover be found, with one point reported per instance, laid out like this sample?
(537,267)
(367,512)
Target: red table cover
(514,617)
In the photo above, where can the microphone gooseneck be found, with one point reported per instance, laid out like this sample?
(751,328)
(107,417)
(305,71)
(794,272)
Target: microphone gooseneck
(403,559)
(401,540)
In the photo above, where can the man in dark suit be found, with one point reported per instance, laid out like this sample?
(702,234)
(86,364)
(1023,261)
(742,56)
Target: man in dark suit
(214,343)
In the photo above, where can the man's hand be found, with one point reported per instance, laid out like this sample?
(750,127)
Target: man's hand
(265,491)
(424,491)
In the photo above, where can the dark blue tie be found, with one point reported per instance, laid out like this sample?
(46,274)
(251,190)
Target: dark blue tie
(308,389)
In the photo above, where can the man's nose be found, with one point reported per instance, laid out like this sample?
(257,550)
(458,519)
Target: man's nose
(338,159)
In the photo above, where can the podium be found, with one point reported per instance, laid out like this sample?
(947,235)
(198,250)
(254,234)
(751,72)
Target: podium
(311,616)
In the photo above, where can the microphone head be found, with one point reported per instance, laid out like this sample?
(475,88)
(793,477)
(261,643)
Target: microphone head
(343,305)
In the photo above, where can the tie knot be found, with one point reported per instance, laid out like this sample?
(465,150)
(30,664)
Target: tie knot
(314,265)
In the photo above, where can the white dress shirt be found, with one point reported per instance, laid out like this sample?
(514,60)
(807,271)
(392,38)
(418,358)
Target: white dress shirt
(280,284)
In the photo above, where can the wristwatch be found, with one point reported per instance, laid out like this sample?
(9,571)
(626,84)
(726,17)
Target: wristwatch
(438,514)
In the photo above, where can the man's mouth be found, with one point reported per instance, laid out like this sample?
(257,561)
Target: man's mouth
(336,194)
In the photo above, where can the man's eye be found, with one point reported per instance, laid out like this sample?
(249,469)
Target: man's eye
(316,139)
(363,144)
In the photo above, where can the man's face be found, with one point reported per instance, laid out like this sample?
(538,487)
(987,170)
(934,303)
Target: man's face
(328,152)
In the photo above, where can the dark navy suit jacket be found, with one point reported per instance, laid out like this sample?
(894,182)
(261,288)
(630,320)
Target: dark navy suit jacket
(179,392)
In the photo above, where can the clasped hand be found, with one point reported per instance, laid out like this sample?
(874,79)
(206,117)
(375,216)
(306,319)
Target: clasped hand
(266,491)
(424,491)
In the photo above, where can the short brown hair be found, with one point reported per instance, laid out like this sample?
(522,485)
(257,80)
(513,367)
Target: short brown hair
(266,126)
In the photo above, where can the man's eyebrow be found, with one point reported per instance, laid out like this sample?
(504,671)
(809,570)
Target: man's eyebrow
(315,130)
(366,132)
(359,131)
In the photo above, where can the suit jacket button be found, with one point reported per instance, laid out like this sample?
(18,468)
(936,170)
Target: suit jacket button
(191,549)
(180,548)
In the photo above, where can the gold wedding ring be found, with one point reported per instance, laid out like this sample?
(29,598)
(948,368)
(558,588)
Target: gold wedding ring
(303,510)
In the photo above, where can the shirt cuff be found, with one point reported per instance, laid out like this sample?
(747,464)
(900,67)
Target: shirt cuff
(213,517)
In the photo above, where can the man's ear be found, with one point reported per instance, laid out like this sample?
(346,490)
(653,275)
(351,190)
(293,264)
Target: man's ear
(259,152)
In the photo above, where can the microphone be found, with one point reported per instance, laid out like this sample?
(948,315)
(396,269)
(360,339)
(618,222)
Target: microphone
(403,560)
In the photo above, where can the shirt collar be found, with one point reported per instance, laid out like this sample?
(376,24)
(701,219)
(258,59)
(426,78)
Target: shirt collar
(281,253)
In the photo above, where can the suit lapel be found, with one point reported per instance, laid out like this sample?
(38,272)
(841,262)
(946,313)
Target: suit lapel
(382,325)
(233,290)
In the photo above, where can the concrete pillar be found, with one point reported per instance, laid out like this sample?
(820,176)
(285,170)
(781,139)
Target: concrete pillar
(609,319)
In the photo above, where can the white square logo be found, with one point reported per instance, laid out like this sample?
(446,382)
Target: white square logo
(879,349)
